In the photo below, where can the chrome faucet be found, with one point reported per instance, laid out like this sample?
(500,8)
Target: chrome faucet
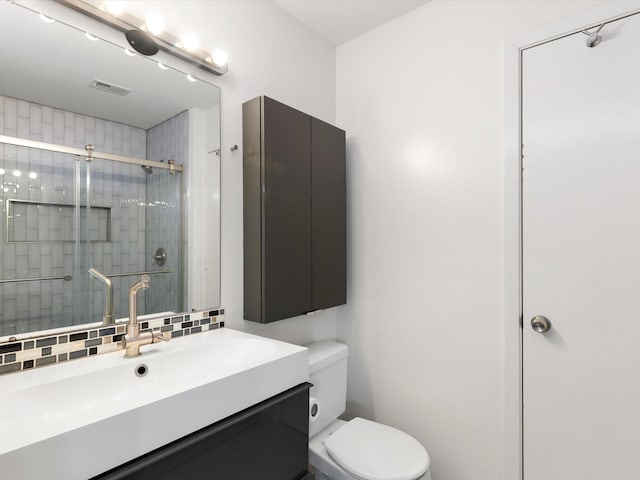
(108,318)
(133,340)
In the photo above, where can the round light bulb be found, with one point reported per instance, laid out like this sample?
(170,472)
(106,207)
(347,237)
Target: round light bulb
(114,7)
(155,24)
(33,175)
(189,42)
(219,57)
(2,172)
(17,173)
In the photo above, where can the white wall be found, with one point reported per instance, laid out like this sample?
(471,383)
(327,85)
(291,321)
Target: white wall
(421,99)
(270,54)
(203,179)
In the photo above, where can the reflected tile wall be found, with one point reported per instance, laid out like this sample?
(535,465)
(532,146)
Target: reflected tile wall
(41,305)
(168,140)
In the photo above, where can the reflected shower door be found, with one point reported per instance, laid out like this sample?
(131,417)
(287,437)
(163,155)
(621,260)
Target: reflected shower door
(82,241)
(39,249)
(164,241)
(135,227)
(62,215)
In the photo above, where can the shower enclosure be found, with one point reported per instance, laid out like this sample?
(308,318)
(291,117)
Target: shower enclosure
(69,209)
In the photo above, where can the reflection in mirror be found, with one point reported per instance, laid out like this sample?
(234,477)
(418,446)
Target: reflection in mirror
(64,214)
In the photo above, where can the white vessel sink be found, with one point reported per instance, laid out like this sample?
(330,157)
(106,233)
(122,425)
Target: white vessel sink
(81,418)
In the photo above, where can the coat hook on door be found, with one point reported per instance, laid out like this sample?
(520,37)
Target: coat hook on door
(594,37)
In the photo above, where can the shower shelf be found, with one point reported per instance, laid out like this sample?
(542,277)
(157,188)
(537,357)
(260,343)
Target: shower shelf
(29,221)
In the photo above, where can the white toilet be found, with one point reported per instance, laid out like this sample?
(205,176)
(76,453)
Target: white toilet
(358,449)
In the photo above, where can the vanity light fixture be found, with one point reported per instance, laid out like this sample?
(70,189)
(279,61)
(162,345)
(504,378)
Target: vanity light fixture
(154,24)
(219,57)
(189,42)
(114,7)
(142,42)
(113,14)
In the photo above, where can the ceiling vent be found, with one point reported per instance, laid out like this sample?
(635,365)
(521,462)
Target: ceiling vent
(109,88)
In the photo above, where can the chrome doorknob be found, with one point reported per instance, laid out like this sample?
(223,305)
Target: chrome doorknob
(540,324)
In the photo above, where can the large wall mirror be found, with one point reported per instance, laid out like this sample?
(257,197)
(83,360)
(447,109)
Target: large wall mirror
(64,214)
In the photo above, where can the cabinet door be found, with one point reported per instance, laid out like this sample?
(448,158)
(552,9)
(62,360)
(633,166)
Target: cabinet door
(267,441)
(286,211)
(329,215)
(252,207)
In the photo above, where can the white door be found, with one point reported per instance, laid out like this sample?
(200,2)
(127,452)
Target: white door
(581,256)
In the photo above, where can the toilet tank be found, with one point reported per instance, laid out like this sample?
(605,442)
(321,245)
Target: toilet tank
(328,374)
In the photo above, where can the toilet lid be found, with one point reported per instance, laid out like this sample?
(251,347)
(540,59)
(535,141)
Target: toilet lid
(371,451)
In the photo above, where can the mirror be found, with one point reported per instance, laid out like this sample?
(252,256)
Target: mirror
(63,213)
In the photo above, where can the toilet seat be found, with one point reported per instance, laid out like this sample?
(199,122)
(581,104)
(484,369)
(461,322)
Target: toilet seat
(372,451)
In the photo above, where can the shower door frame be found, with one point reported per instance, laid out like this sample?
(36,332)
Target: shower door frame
(87,152)
(513,318)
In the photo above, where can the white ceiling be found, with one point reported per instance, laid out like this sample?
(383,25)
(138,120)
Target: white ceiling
(54,64)
(339,21)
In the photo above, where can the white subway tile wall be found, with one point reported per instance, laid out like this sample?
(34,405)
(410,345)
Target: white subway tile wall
(166,141)
(50,178)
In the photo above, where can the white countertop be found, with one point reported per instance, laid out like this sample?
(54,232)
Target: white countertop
(81,418)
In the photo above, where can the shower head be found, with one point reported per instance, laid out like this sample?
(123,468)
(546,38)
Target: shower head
(147,169)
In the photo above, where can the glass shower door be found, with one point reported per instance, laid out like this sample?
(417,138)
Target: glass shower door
(39,251)
(164,241)
(134,228)
(64,214)
(82,241)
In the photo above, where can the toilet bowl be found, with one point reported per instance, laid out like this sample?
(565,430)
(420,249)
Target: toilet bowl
(358,449)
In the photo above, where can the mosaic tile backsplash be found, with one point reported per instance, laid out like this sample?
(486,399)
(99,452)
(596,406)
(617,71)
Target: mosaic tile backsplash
(48,348)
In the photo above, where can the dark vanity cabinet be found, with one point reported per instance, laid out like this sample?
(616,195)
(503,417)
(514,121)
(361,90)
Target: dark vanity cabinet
(267,441)
(294,212)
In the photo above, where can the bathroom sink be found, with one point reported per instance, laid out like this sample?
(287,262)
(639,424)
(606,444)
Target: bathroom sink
(81,418)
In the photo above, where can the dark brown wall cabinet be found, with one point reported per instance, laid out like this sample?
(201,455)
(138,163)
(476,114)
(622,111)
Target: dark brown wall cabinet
(294,212)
